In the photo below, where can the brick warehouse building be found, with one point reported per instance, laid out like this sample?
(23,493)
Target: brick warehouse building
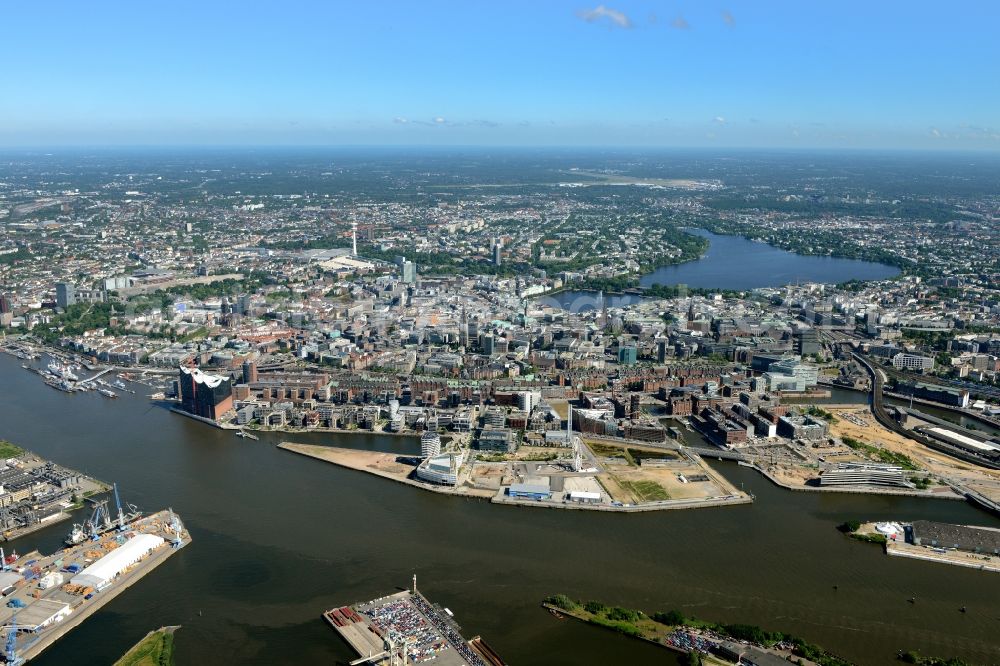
(202,394)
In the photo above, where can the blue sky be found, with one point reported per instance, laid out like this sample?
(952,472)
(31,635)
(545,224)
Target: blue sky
(737,73)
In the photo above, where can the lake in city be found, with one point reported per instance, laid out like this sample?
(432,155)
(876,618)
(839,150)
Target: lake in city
(733,262)
(279,538)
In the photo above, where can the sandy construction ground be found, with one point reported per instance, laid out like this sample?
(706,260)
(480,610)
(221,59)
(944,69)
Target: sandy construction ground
(984,480)
(379,464)
(625,481)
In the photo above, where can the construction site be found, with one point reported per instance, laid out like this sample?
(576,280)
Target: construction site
(858,424)
(579,473)
(405,628)
(47,596)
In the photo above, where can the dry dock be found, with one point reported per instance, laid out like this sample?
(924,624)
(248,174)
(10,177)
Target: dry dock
(47,596)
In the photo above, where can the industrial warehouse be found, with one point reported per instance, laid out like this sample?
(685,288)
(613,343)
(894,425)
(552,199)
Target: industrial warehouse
(970,546)
(101,573)
(47,596)
(968,538)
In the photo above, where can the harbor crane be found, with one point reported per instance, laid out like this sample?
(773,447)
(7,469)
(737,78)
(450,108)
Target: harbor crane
(121,514)
(175,529)
(10,645)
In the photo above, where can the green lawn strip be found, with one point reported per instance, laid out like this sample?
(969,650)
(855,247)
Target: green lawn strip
(9,450)
(156,649)
(883,455)
(646,491)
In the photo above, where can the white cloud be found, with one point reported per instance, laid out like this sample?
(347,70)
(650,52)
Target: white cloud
(719,120)
(441,121)
(600,12)
(680,23)
(727,18)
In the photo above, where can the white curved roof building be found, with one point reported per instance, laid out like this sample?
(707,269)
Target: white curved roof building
(441,469)
(104,570)
(211,381)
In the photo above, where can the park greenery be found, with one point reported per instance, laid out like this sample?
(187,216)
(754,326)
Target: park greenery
(156,649)
(653,627)
(913,657)
(869,538)
(10,258)
(79,318)
(851,527)
(9,450)
(820,413)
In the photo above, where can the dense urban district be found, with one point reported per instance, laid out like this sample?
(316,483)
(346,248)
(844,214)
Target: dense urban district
(501,309)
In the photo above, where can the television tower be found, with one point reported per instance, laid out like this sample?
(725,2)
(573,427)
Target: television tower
(354,238)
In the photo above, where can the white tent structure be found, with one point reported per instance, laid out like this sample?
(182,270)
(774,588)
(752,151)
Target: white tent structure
(104,570)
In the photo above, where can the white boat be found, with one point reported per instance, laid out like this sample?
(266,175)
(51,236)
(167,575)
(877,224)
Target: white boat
(76,535)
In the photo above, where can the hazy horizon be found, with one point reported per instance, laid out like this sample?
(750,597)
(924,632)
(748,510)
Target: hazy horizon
(567,73)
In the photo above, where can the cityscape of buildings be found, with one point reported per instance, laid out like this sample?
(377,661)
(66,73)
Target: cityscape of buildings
(638,332)
(525,335)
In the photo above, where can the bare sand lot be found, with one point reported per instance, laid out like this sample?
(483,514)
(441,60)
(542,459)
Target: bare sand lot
(380,464)
(859,424)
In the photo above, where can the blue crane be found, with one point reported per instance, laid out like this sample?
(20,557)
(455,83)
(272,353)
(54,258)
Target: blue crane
(121,514)
(10,647)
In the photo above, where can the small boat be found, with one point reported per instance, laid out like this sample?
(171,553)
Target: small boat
(76,536)
(246,435)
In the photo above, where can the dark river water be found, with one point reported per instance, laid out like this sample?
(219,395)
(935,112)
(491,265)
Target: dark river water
(278,538)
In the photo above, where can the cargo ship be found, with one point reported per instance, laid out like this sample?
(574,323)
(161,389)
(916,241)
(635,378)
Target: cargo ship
(45,597)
